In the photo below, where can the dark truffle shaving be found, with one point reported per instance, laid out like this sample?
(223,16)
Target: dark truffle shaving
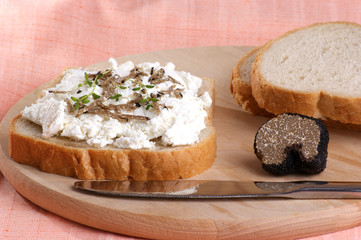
(58,92)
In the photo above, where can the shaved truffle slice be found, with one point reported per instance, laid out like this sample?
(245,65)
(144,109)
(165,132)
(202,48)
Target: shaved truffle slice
(292,143)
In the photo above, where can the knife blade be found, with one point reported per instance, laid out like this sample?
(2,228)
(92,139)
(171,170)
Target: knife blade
(215,189)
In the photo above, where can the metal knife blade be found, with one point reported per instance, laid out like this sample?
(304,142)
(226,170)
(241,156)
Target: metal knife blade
(214,189)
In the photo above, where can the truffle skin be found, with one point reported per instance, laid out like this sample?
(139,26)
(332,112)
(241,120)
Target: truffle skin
(292,159)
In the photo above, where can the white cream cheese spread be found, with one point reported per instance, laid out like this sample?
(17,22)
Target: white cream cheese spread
(126,106)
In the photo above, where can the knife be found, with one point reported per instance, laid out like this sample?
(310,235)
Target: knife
(214,189)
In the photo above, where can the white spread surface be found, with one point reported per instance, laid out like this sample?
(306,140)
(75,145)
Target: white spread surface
(180,124)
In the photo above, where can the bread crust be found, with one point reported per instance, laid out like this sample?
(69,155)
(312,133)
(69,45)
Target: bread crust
(321,105)
(63,156)
(241,90)
(279,100)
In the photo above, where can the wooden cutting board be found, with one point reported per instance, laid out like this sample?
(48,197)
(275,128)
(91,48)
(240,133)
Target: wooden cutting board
(202,219)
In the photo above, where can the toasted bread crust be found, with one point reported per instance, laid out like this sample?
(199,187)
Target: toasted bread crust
(321,105)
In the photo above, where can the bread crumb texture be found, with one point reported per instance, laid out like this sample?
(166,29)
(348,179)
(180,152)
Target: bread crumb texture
(325,57)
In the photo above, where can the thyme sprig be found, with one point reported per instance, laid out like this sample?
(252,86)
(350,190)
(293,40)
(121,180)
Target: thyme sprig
(116,96)
(92,80)
(148,100)
(85,98)
(137,86)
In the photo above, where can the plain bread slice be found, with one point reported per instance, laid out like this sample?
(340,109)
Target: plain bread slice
(315,71)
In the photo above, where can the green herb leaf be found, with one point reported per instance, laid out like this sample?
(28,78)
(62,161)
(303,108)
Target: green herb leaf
(88,82)
(99,74)
(76,106)
(107,71)
(75,99)
(84,97)
(154,99)
(85,101)
(80,85)
(122,87)
(136,89)
(149,106)
(116,97)
(149,86)
(143,100)
(95,96)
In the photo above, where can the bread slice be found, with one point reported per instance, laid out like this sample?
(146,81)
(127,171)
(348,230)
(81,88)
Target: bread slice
(63,156)
(240,85)
(314,71)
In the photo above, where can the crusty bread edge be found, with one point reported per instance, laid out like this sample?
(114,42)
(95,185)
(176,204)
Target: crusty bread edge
(319,105)
(242,91)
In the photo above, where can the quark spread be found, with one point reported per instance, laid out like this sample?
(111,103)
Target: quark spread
(126,106)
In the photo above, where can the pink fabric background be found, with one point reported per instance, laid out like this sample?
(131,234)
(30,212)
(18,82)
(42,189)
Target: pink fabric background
(38,39)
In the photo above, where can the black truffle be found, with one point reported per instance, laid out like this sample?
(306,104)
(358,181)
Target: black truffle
(290,143)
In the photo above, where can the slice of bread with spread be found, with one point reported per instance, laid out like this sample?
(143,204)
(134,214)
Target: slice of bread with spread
(68,156)
(314,71)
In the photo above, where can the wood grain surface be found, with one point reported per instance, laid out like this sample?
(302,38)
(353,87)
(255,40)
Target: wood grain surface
(202,219)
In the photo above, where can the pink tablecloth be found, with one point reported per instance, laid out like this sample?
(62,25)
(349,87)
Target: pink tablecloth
(38,39)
